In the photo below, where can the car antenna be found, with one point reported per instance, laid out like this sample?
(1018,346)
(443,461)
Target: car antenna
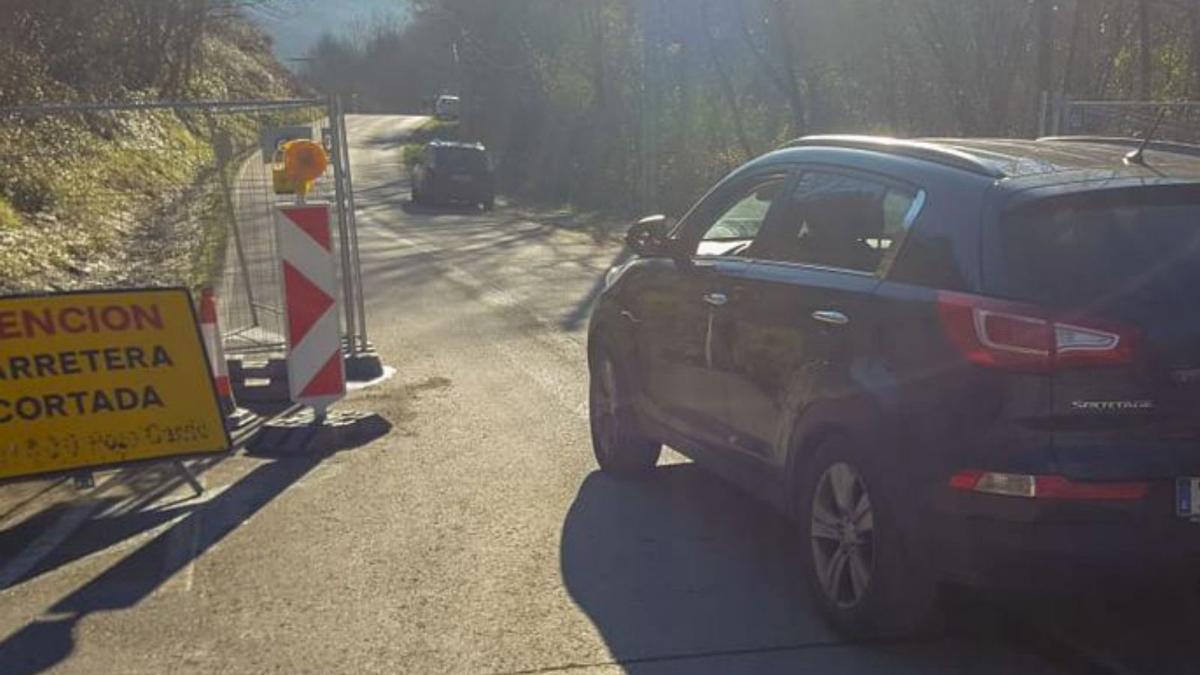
(1137,156)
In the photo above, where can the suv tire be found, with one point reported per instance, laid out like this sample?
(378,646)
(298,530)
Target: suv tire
(617,441)
(856,565)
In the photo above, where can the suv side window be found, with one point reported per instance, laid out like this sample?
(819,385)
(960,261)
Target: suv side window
(738,224)
(842,221)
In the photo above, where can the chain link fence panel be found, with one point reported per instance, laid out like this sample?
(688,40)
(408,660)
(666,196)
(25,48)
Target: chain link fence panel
(168,193)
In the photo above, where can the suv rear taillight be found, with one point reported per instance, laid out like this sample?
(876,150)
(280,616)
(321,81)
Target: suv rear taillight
(1044,487)
(1014,336)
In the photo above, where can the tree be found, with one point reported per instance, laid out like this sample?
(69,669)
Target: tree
(613,103)
(1145,65)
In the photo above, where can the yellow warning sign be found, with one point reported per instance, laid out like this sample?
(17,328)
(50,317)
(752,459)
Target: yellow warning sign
(95,379)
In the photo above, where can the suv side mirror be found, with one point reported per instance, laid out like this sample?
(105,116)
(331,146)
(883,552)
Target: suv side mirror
(649,236)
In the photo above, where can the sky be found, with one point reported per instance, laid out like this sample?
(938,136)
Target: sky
(296,25)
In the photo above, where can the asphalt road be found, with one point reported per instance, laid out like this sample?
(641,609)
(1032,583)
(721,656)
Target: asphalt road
(464,529)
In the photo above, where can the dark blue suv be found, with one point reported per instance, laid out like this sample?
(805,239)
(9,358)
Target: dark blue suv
(967,360)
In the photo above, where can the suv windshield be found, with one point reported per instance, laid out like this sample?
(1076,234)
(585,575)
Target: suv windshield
(1125,249)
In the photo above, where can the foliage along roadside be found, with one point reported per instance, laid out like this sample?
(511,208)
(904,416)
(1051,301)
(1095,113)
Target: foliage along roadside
(432,130)
(640,106)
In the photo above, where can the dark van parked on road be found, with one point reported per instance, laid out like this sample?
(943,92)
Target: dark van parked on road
(962,360)
(454,172)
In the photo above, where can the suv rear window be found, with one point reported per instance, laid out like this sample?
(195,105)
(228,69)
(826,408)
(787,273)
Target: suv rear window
(468,159)
(1138,249)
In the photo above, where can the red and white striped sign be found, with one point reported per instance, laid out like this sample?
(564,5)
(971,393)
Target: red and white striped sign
(211,332)
(316,374)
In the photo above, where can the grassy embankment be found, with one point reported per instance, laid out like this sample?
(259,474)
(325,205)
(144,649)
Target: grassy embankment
(124,199)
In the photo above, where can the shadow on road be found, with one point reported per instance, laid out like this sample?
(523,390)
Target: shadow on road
(124,504)
(383,193)
(682,574)
(681,564)
(26,497)
(119,518)
(108,519)
(1148,627)
(48,641)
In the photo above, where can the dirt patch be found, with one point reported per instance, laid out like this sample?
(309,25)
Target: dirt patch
(396,400)
(429,384)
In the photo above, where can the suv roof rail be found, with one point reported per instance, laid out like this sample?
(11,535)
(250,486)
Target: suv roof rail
(933,152)
(1127,142)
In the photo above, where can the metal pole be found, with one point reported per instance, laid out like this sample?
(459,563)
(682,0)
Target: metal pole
(335,111)
(224,151)
(237,243)
(352,222)
(651,26)
(188,477)
(1043,110)
(643,140)
(335,150)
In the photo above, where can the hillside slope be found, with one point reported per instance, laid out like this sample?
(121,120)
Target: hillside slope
(92,199)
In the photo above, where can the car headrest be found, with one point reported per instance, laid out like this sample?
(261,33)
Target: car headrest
(844,216)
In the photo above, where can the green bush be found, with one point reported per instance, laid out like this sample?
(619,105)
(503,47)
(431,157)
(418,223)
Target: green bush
(432,130)
(411,154)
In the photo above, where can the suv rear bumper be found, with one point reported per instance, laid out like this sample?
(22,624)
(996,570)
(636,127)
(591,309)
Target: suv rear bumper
(476,190)
(1018,543)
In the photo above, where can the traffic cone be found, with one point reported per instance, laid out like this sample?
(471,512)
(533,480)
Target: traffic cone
(211,333)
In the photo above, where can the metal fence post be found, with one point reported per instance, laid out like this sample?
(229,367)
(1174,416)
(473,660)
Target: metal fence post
(352,228)
(1043,111)
(339,178)
(225,156)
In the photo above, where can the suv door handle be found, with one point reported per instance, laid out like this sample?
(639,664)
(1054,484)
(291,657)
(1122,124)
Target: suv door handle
(716,299)
(831,316)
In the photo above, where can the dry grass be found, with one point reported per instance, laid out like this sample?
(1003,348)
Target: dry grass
(114,199)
